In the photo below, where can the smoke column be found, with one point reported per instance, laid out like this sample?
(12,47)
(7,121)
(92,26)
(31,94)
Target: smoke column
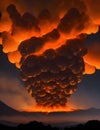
(46,42)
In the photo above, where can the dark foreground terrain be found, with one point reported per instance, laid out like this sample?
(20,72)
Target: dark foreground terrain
(38,120)
(90,125)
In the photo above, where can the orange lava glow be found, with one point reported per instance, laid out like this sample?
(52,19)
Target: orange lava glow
(55,44)
(50,109)
(93,55)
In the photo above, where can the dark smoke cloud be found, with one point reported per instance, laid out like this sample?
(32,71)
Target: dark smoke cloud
(0,15)
(36,43)
(56,7)
(75,18)
(51,36)
(44,15)
(52,77)
(31,45)
(26,21)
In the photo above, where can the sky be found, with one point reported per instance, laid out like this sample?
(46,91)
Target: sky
(30,50)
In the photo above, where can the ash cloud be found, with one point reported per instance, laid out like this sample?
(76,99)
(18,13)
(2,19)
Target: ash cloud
(25,22)
(73,19)
(34,44)
(46,41)
(55,74)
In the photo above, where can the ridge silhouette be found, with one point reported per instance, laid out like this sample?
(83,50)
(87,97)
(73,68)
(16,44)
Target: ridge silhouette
(90,125)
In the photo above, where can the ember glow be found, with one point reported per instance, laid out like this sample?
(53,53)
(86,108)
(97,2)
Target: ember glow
(50,109)
(49,49)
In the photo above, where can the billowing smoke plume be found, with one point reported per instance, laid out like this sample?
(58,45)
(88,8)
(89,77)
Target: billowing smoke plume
(47,44)
(53,76)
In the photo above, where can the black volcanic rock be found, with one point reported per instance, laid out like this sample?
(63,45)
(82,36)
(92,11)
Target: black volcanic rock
(93,124)
(90,125)
(36,126)
(5,127)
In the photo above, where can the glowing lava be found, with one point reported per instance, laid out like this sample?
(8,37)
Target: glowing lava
(50,109)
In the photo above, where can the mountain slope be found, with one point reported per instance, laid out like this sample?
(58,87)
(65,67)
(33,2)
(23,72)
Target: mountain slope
(6,110)
(54,118)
